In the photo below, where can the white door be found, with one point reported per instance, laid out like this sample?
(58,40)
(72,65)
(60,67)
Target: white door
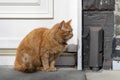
(18,17)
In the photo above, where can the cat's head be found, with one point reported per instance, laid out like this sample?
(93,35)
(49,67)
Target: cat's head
(63,31)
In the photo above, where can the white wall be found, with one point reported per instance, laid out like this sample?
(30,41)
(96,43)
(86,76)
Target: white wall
(16,29)
(63,10)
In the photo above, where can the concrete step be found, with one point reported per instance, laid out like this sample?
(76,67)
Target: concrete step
(67,60)
(8,73)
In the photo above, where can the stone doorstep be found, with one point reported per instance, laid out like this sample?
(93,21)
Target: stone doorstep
(8,73)
(72,48)
(67,60)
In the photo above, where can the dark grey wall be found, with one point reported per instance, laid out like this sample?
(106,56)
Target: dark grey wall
(98,13)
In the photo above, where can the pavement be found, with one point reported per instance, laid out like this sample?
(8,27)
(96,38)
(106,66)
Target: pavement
(103,75)
(8,73)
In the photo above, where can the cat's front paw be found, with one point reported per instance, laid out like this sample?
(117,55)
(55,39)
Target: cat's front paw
(43,69)
(52,69)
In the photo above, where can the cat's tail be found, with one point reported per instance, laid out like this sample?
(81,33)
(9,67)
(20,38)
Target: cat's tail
(24,68)
(24,65)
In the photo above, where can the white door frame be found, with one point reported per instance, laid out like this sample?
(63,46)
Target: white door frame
(79,56)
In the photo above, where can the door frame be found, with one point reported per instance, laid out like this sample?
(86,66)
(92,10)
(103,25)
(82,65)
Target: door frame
(79,56)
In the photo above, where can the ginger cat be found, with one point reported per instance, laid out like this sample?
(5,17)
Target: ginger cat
(39,50)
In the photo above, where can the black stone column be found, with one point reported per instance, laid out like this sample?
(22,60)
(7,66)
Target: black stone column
(98,13)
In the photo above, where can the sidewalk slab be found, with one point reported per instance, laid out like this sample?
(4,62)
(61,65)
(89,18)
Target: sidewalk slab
(103,75)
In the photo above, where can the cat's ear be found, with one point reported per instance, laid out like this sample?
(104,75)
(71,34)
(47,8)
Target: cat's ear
(62,25)
(69,21)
